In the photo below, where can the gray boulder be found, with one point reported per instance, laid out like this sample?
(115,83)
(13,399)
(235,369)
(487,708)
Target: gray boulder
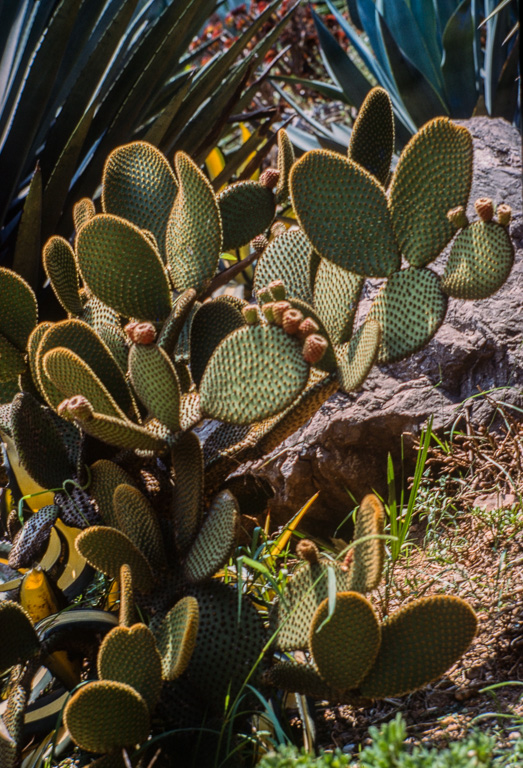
(342,451)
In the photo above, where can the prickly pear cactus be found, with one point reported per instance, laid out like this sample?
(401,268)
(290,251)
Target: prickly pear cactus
(123,421)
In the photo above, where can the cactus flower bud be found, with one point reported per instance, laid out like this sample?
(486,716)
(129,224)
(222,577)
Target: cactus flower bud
(314,348)
(347,561)
(259,243)
(307,550)
(269,178)
(278,308)
(458,217)
(77,407)
(484,208)
(504,214)
(267,310)
(307,327)
(291,321)
(250,314)
(263,296)
(278,228)
(141,333)
(277,289)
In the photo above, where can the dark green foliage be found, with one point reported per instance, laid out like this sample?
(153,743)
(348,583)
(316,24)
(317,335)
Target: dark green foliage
(247,209)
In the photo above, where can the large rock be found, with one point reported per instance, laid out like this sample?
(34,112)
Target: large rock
(342,450)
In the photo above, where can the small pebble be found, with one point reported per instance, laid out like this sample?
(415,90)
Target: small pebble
(348,748)
(514,736)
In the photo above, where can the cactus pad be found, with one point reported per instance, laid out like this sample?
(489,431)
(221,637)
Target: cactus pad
(419,643)
(372,138)
(176,637)
(138,520)
(368,556)
(187,461)
(108,549)
(106,476)
(139,185)
(120,433)
(60,267)
(212,322)
(129,655)
(336,296)
(285,162)
(261,359)
(345,645)
(343,211)
(105,716)
(122,268)
(18,639)
(31,542)
(155,381)
(127,610)
(301,678)
(18,309)
(288,257)
(247,209)
(410,308)
(215,541)
(433,175)
(172,328)
(479,262)
(12,361)
(357,356)
(194,230)
(83,211)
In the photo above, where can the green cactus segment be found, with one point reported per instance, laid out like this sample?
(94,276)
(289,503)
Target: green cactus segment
(106,716)
(122,268)
(328,361)
(116,342)
(345,645)
(215,541)
(172,328)
(479,262)
(12,361)
(287,258)
(32,348)
(419,643)
(126,613)
(138,520)
(372,138)
(106,476)
(120,433)
(139,185)
(18,309)
(271,433)
(18,639)
(129,655)
(37,437)
(410,308)
(82,340)
(357,356)
(60,267)
(305,591)
(176,637)
(71,376)
(300,678)
(83,211)
(194,231)
(226,658)
(336,296)
(247,209)
(13,720)
(285,162)
(368,556)
(107,549)
(257,358)
(190,411)
(212,322)
(187,462)
(433,175)
(343,211)
(155,381)
(30,543)
(95,313)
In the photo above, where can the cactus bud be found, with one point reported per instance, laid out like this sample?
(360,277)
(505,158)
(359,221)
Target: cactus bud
(504,214)
(250,314)
(307,327)
(277,289)
(263,296)
(291,321)
(278,308)
(458,217)
(347,561)
(484,208)
(77,407)
(141,333)
(278,228)
(269,178)
(307,550)
(259,243)
(314,348)
(267,311)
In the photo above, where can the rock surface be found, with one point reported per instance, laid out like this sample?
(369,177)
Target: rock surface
(343,449)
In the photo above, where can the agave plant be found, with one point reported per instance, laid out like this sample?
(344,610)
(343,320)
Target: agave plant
(455,58)
(135,409)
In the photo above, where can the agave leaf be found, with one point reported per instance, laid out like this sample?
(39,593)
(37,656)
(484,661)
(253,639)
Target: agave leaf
(458,68)
(26,260)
